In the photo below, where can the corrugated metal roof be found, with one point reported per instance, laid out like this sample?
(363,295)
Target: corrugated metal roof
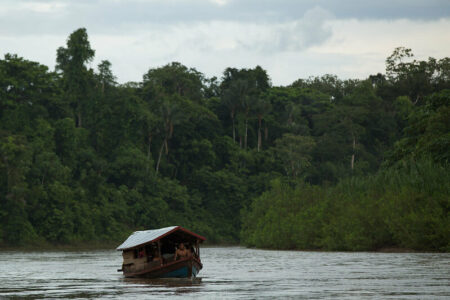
(146,236)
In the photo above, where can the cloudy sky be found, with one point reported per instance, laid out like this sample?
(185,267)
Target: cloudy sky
(291,39)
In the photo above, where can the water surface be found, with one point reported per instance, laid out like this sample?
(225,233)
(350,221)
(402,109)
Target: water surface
(231,273)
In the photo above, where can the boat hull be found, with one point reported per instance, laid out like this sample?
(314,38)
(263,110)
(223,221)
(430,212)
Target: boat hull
(185,268)
(182,272)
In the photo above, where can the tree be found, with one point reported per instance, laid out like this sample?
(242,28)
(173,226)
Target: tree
(240,90)
(173,78)
(27,91)
(170,115)
(15,160)
(105,75)
(415,78)
(427,133)
(295,152)
(231,99)
(71,61)
(261,108)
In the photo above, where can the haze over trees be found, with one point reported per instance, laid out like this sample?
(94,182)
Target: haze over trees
(323,163)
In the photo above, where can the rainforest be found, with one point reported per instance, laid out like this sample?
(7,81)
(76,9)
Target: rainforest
(323,163)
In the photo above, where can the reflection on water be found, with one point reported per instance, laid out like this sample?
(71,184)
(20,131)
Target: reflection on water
(165,282)
(231,273)
(177,286)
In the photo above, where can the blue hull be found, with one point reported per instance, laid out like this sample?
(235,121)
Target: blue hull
(182,272)
(186,268)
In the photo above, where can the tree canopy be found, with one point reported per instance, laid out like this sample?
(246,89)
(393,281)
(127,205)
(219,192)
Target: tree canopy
(323,163)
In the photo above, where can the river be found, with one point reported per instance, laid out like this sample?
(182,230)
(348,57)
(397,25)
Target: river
(231,273)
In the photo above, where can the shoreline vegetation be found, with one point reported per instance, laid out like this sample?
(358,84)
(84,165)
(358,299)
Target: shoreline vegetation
(323,164)
(406,207)
(111,246)
(87,246)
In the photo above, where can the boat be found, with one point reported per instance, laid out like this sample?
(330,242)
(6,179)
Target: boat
(152,253)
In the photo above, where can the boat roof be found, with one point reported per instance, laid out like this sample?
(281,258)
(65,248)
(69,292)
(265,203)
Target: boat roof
(139,238)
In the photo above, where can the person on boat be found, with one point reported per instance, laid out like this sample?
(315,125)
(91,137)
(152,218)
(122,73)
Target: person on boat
(182,252)
(141,253)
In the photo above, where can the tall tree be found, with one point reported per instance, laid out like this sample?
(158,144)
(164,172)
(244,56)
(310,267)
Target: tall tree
(240,90)
(71,61)
(105,75)
(171,114)
(261,108)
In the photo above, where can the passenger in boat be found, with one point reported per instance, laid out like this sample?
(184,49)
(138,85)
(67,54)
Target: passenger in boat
(141,253)
(182,252)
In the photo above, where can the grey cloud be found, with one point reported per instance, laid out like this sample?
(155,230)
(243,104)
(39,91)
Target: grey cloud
(116,16)
(234,37)
(137,34)
(307,31)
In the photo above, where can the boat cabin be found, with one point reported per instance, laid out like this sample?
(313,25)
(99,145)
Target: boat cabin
(153,253)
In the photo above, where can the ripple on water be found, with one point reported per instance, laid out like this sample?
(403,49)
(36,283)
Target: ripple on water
(231,273)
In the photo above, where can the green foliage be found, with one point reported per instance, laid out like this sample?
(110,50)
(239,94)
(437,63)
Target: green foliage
(406,207)
(427,132)
(405,204)
(295,152)
(77,79)
(284,217)
(83,158)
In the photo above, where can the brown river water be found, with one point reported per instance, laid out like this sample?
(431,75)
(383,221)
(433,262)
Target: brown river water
(231,273)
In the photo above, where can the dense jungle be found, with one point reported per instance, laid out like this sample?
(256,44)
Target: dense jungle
(323,163)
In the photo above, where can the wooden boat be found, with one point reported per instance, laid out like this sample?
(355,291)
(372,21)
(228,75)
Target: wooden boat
(151,253)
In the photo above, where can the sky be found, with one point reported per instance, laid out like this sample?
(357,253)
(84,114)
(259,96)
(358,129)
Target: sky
(291,39)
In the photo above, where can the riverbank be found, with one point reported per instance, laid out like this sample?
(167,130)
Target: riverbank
(82,246)
(380,250)
(92,246)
